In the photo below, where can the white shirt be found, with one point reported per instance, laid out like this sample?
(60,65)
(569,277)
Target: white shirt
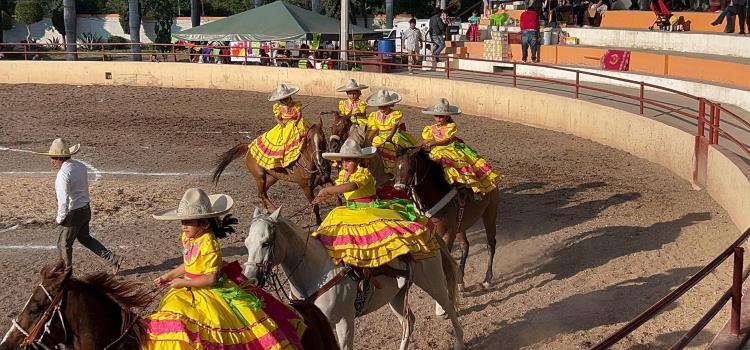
(412,38)
(72,188)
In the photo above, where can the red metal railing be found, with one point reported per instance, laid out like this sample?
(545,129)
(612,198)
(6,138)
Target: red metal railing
(708,119)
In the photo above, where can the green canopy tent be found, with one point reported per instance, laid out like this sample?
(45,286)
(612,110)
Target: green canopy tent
(275,21)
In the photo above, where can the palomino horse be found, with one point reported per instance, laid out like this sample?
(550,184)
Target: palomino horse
(453,212)
(95,313)
(343,129)
(309,171)
(274,240)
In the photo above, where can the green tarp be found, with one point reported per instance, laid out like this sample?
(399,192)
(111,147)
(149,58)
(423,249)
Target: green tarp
(275,21)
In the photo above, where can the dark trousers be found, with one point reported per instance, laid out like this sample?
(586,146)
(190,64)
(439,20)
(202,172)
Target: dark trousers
(730,12)
(76,226)
(530,38)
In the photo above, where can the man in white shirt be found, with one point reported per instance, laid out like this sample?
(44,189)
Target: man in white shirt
(73,211)
(412,37)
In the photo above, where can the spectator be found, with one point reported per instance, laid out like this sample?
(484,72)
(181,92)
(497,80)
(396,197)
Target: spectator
(572,8)
(264,59)
(529,34)
(412,38)
(437,33)
(473,33)
(593,17)
(738,8)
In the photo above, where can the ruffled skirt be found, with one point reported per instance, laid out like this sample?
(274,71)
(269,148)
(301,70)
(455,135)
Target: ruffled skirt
(387,150)
(223,317)
(463,165)
(373,234)
(280,146)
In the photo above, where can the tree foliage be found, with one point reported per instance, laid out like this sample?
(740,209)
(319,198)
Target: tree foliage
(164,13)
(29,11)
(226,7)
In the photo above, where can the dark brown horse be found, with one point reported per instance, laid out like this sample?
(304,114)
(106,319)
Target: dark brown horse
(309,171)
(341,130)
(96,312)
(426,184)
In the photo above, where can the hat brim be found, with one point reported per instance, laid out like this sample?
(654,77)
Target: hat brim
(371,101)
(367,152)
(72,150)
(220,205)
(451,111)
(346,88)
(275,97)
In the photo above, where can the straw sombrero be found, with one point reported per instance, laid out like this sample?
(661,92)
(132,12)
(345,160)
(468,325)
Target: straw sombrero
(442,107)
(350,149)
(283,91)
(352,85)
(59,148)
(196,204)
(383,98)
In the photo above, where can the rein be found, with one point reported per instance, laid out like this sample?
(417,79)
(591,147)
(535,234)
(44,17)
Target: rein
(33,337)
(155,294)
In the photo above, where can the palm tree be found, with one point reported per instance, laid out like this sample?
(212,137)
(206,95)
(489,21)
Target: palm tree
(258,3)
(195,12)
(69,14)
(315,6)
(134,23)
(389,13)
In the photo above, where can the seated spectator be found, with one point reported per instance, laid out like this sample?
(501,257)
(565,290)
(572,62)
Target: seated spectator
(593,16)
(568,11)
(737,8)
(264,59)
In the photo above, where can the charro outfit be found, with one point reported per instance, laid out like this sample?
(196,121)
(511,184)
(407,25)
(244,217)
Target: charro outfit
(367,232)
(355,110)
(384,125)
(224,315)
(281,146)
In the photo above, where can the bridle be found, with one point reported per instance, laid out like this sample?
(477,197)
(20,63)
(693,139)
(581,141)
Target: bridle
(413,180)
(317,160)
(34,336)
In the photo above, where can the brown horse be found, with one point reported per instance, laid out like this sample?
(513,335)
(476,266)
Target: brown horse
(341,130)
(95,313)
(427,187)
(309,171)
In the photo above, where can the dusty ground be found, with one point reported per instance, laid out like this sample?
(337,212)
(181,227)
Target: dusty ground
(589,236)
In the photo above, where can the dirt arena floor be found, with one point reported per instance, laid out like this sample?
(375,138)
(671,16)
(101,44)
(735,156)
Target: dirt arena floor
(589,236)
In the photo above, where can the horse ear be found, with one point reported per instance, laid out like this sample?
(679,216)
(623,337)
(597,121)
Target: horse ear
(256,213)
(275,215)
(320,119)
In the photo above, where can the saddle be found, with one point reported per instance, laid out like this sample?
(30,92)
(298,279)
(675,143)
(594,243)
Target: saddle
(365,276)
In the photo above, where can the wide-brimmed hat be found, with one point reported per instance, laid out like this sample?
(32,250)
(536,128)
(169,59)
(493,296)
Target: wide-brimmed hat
(352,85)
(60,148)
(442,107)
(350,149)
(196,204)
(383,98)
(283,91)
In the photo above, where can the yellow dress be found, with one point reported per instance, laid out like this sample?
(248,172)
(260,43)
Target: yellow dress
(384,124)
(224,316)
(280,146)
(356,110)
(461,164)
(367,232)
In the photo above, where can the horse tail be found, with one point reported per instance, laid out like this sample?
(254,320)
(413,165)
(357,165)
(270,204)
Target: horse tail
(235,152)
(318,334)
(453,275)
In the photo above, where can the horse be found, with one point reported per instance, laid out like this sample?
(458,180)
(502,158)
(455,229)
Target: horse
(343,129)
(273,240)
(309,171)
(452,211)
(95,313)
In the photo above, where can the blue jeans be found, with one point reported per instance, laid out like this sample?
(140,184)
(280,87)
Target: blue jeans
(530,38)
(439,41)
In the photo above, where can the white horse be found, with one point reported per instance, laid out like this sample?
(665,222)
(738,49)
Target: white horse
(274,240)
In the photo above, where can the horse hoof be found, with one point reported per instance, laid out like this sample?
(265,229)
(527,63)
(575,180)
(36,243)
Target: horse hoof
(486,285)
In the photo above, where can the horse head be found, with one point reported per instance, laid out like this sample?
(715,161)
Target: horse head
(264,251)
(40,323)
(316,141)
(339,132)
(407,164)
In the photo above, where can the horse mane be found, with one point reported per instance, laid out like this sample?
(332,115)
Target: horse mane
(127,295)
(435,169)
(288,225)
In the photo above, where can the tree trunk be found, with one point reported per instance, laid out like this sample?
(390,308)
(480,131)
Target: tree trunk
(316,6)
(2,8)
(134,23)
(69,14)
(195,12)
(389,13)
(258,3)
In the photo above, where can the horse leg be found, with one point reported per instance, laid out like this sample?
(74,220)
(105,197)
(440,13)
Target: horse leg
(429,276)
(489,218)
(261,184)
(308,191)
(345,332)
(406,320)
(463,243)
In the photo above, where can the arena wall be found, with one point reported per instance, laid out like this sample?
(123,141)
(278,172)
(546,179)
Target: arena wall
(727,179)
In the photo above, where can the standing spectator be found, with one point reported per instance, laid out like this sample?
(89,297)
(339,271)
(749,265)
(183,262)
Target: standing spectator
(73,210)
(412,43)
(738,8)
(473,33)
(437,33)
(530,34)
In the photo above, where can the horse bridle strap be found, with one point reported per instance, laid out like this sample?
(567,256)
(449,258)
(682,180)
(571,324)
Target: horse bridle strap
(34,335)
(328,285)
